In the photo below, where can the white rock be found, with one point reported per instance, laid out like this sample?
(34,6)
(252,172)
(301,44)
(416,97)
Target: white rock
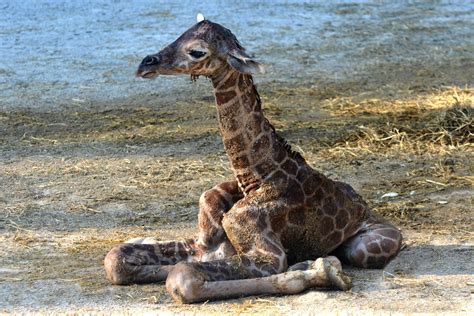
(390,195)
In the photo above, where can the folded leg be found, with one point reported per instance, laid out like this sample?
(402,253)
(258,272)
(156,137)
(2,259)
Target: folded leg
(213,204)
(259,267)
(146,263)
(376,243)
(144,260)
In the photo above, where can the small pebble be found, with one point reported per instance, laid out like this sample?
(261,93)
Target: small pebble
(390,194)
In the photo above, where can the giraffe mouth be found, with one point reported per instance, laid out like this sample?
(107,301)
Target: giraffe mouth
(148,74)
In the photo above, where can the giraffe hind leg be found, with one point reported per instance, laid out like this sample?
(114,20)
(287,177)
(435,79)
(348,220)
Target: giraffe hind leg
(372,247)
(143,262)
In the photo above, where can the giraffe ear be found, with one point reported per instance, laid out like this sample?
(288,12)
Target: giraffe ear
(242,62)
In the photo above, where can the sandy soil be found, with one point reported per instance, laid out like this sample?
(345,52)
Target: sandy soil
(78,178)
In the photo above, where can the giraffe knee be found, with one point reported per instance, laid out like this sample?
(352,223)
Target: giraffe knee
(184,283)
(374,251)
(390,246)
(116,267)
(241,225)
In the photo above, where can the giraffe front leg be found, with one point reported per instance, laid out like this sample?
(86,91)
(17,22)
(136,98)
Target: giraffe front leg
(141,262)
(146,260)
(213,204)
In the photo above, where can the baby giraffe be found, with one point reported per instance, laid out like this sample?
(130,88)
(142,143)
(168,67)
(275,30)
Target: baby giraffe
(277,212)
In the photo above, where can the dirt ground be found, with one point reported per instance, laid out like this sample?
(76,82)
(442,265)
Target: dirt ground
(77,179)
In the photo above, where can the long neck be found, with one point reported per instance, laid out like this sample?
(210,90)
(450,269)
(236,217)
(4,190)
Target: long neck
(255,151)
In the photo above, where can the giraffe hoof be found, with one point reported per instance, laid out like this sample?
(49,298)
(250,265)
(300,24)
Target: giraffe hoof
(333,269)
(184,283)
(116,268)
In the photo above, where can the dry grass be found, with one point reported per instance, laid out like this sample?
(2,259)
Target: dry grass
(437,123)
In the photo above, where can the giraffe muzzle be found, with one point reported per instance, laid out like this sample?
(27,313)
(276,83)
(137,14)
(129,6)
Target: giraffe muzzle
(148,67)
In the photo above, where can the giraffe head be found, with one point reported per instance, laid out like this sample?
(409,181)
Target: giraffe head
(204,49)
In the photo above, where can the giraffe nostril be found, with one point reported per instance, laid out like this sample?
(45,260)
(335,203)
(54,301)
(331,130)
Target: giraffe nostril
(150,60)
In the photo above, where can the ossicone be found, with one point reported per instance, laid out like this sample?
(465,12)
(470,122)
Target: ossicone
(200,17)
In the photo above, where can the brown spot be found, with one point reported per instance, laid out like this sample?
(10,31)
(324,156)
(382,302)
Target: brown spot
(382,261)
(330,206)
(356,210)
(290,166)
(279,153)
(231,81)
(224,97)
(279,178)
(229,123)
(245,81)
(265,167)
(297,217)
(127,249)
(235,144)
(152,254)
(326,225)
(253,125)
(240,161)
(328,187)
(340,201)
(262,222)
(318,195)
(182,250)
(168,249)
(182,253)
(389,232)
(311,184)
(260,146)
(387,245)
(278,222)
(342,218)
(248,101)
(374,248)
(319,212)
(335,237)
(302,175)
(294,194)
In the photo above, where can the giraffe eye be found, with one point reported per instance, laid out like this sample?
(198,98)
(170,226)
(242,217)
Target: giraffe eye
(196,53)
